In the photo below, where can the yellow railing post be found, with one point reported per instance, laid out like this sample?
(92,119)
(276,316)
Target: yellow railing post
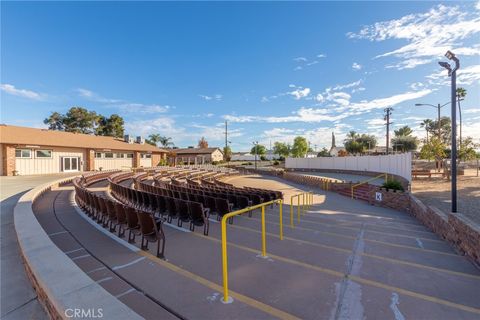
(225,261)
(281,220)
(264,244)
(298,208)
(291,211)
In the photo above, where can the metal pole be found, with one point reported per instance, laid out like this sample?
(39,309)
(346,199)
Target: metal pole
(454,141)
(281,219)
(256,151)
(264,245)
(438,125)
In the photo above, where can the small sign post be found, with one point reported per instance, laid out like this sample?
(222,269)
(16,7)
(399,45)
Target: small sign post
(378,196)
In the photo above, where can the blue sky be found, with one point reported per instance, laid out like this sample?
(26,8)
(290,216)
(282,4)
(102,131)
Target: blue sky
(273,70)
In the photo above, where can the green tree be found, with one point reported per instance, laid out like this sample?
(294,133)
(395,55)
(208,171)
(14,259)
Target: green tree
(55,121)
(323,153)
(153,139)
(433,150)
(80,120)
(405,143)
(166,142)
(258,149)
(403,131)
(300,147)
(227,153)
(112,126)
(467,150)
(355,143)
(367,141)
(461,94)
(282,149)
(427,123)
(445,128)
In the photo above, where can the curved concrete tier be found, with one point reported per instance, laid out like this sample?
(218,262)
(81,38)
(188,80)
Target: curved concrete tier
(62,287)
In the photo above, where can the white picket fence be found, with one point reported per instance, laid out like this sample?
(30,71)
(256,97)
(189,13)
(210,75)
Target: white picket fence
(398,164)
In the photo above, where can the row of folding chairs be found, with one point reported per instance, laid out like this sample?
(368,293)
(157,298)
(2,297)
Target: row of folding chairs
(253,195)
(184,210)
(207,197)
(112,214)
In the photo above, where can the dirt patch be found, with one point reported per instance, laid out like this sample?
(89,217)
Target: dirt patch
(436,192)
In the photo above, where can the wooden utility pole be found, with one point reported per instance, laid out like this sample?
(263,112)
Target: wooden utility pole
(388,113)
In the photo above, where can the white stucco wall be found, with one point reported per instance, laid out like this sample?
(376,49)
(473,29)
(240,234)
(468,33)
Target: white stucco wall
(398,164)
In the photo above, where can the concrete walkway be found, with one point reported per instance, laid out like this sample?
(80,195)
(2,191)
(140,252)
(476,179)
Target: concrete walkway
(344,260)
(18,300)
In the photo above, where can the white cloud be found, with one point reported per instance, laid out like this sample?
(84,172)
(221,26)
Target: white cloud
(92,96)
(359,89)
(312,63)
(345,86)
(24,93)
(300,93)
(321,55)
(429,35)
(143,108)
(319,97)
(300,59)
(471,111)
(297,68)
(343,109)
(216,97)
(356,66)
(466,76)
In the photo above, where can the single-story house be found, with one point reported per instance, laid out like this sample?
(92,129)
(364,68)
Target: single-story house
(335,150)
(26,151)
(198,155)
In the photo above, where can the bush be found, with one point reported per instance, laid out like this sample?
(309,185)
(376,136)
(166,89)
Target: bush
(393,184)
(276,163)
(249,163)
(263,158)
(214,163)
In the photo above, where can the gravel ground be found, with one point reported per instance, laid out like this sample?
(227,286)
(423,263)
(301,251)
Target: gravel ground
(436,192)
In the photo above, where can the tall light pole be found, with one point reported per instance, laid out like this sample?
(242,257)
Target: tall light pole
(453,74)
(438,106)
(255,143)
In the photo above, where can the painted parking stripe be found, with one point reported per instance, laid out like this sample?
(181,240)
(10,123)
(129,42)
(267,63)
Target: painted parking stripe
(355,278)
(125,293)
(411,264)
(104,279)
(75,250)
(57,233)
(97,269)
(365,239)
(128,264)
(81,257)
(212,285)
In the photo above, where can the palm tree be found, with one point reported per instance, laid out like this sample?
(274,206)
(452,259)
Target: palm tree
(154,138)
(461,93)
(427,123)
(352,136)
(166,141)
(403,131)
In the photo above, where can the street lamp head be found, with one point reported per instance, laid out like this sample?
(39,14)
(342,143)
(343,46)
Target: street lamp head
(447,66)
(418,104)
(450,55)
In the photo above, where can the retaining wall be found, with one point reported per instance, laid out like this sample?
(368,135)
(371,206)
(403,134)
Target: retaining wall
(61,286)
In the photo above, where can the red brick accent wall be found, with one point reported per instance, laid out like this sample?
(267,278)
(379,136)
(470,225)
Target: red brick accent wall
(136,159)
(460,231)
(8,161)
(90,159)
(156,157)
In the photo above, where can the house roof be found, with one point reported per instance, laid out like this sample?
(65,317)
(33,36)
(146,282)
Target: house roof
(195,150)
(43,137)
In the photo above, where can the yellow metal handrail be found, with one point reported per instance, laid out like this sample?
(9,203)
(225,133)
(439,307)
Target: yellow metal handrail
(368,180)
(307,199)
(264,245)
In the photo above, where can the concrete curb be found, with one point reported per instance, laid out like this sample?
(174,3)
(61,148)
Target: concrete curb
(62,287)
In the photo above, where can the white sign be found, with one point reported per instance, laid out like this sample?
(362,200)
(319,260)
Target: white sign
(378,196)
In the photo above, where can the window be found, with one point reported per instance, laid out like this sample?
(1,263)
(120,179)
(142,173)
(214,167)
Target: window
(146,156)
(43,153)
(108,155)
(23,153)
(98,155)
(130,155)
(120,155)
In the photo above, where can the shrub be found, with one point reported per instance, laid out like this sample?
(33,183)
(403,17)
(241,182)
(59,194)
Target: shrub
(249,163)
(214,163)
(393,184)
(263,158)
(276,163)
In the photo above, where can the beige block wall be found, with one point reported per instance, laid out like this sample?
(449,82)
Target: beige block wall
(110,164)
(49,165)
